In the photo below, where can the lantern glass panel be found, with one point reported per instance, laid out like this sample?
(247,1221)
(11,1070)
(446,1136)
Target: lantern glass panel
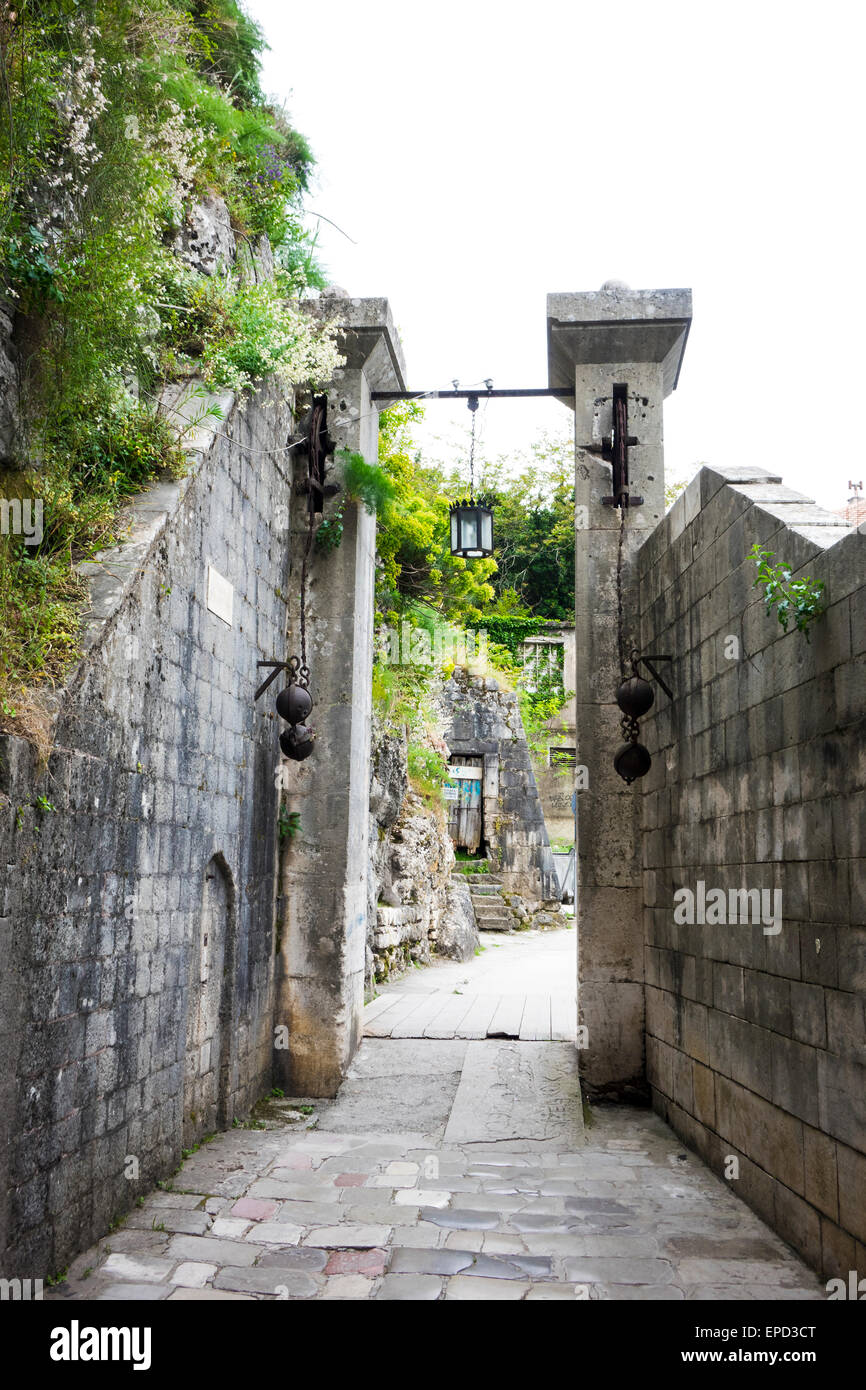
(469,539)
(455,532)
(486,530)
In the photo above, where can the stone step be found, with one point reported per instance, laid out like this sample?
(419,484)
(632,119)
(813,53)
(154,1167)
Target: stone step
(495,924)
(475,880)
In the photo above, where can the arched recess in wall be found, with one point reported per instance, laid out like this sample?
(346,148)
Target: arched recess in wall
(209,1058)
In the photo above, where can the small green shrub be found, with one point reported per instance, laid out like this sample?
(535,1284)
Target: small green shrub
(367,483)
(799,599)
(289,824)
(330,532)
(241,333)
(427,771)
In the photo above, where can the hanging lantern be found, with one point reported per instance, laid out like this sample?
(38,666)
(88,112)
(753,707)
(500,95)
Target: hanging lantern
(471,529)
(472,520)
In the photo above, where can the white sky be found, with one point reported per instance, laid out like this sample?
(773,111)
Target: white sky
(484,154)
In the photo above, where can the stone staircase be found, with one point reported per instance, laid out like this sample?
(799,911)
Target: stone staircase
(492,913)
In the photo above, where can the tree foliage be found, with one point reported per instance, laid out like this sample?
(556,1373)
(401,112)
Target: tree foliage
(534,529)
(414,546)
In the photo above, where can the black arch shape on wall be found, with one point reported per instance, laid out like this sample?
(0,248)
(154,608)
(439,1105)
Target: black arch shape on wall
(228,992)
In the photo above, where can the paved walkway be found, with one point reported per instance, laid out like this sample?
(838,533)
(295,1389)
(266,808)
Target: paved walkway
(447,1169)
(521,986)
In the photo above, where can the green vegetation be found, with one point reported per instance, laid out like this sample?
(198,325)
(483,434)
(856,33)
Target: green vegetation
(289,823)
(362,482)
(434,606)
(118,117)
(799,599)
(414,545)
(534,531)
(540,703)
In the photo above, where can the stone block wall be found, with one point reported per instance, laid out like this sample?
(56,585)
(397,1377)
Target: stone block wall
(756,1038)
(480,719)
(137,913)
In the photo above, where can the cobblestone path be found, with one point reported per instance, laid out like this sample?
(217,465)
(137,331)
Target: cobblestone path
(447,1169)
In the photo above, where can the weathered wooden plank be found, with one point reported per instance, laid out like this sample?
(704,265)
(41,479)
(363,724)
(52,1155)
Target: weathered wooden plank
(477,1021)
(445,1024)
(381,1026)
(535,1024)
(378,1005)
(563,1018)
(428,1007)
(505,1023)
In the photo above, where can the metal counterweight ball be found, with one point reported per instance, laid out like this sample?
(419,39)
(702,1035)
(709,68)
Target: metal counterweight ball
(635,696)
(294,704)
(298,742)
(632,761)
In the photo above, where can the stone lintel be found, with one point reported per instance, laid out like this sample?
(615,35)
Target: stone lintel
(368,339)
(617,325)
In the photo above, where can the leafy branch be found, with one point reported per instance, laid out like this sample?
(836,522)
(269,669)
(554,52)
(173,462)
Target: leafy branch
(799,599)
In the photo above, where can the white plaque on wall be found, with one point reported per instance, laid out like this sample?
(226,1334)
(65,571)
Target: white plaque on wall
(219,595)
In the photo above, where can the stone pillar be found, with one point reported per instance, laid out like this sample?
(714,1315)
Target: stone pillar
(596,340)
(320,995)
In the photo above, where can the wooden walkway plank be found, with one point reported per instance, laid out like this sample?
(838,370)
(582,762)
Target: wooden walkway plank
(505,1023)
(381,1026)
(378,1006)
(535,1024)
(427,1007)
(446,1023)
(563,1018)
(477,1021)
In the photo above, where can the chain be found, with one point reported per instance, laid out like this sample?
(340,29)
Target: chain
(630,728)
(619,605)
(313,469)
(299,672)
(473,406)
(471,460)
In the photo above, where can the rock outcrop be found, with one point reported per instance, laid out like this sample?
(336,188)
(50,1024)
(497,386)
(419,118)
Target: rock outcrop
(414,909)
(206,241)
(9,421)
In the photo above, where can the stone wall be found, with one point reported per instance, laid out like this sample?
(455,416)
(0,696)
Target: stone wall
(137,905)
(479,719)
(415,909)
(756,1038)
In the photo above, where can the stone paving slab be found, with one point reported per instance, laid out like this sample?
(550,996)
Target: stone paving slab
(526,1089)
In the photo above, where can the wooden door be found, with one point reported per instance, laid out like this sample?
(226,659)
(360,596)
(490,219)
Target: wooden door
(463,793)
